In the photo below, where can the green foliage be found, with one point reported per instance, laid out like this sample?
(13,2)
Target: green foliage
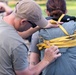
(71,6)
(70,0)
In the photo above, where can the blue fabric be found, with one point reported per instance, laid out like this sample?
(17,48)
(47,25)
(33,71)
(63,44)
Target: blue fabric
(66,64)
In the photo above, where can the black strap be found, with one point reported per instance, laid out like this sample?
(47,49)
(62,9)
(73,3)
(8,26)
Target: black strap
(66,18)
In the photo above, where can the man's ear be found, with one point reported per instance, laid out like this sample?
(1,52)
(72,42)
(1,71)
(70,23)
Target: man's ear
(23,21)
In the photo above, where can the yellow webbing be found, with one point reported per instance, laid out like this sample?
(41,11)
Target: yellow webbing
(61,27)
(64,41)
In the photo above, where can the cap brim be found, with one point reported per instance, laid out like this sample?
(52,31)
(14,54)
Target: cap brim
(42,22)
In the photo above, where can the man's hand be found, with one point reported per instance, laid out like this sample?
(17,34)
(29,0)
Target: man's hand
(51,54)
(52,23)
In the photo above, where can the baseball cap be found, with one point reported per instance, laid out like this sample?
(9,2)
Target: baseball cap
(30,10)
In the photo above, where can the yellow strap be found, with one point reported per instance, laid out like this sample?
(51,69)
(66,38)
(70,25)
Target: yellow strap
(61,17)
(64,41)
(61,27)
(63,30)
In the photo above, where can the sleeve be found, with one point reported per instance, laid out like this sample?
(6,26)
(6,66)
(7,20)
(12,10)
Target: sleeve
(19,56)
(34,42)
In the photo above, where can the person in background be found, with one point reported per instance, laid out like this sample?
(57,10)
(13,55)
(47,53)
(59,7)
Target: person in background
(64,65)
(4,8)
(13,50)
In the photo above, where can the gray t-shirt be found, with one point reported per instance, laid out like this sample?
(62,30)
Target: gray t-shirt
(13,51)
(64,65)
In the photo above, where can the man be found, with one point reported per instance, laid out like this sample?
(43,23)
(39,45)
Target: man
(13,51)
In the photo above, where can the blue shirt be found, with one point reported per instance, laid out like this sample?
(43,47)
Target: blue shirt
(64,65)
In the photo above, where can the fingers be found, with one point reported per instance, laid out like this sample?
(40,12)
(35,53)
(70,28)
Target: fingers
(57,55)
(52,53)
(56,51)
(54,48)
(59,22)
(54,26)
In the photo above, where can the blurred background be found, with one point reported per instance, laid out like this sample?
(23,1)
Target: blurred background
(71,6)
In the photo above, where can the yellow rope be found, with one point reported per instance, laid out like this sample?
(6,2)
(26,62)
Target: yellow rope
(61,27)
(64,41)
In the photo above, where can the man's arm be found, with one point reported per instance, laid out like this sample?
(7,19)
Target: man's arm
(28,32)
(50,55)
(34,59)
(35,53)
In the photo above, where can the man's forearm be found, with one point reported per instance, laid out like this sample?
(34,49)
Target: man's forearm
(34,59)
(36,70)
(50,55)
(28,32)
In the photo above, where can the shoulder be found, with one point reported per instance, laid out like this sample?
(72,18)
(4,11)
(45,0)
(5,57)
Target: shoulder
(66,18)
